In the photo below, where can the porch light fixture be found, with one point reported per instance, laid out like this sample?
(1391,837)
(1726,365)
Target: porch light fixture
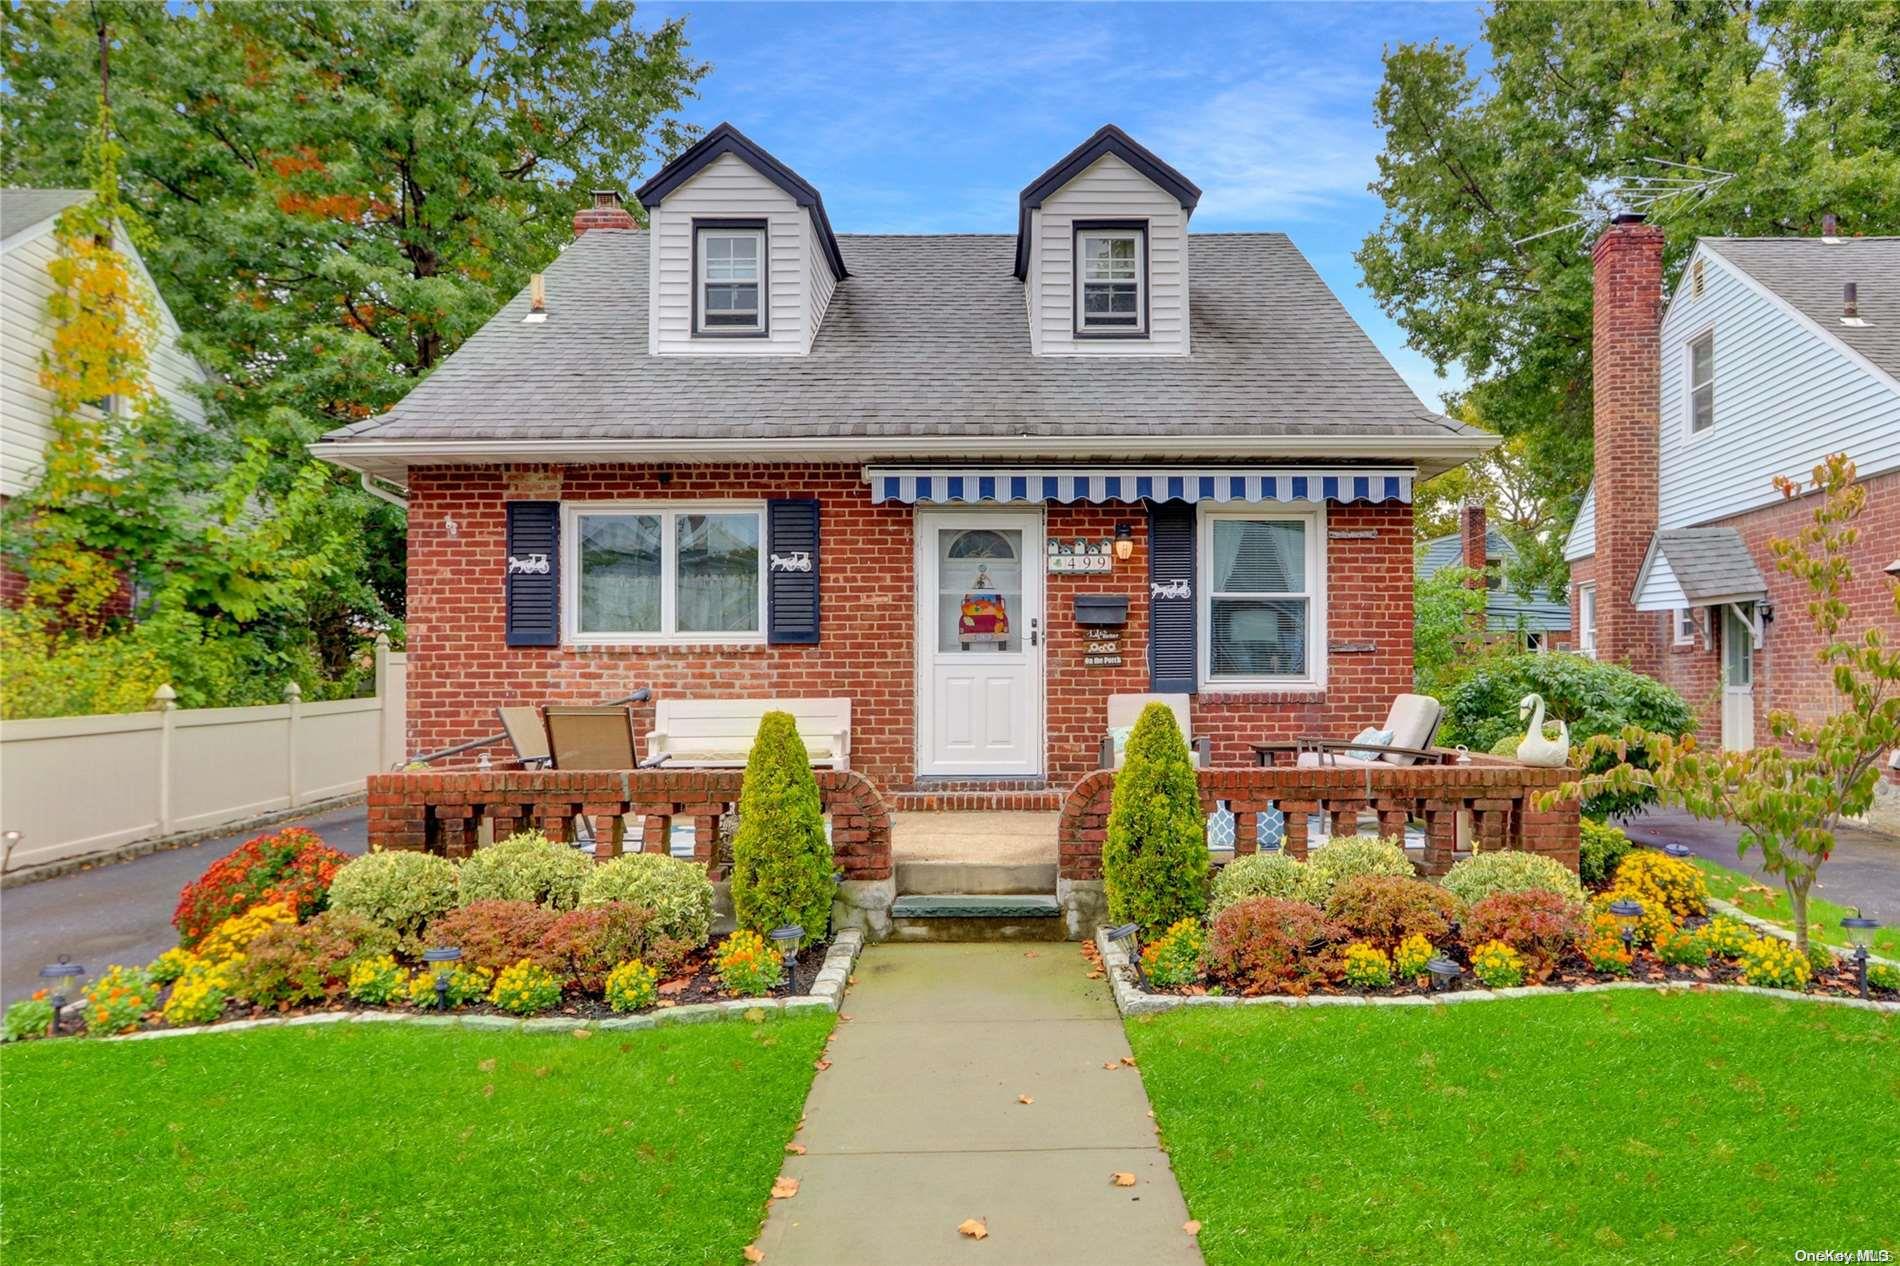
(442,955)
(1626,913)
(785,940)
(1673,849)
(1860,930)
(1443,972)
(1124,541)
(64,970)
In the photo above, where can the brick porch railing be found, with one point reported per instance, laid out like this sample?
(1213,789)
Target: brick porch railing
(444,812)
(1497,793)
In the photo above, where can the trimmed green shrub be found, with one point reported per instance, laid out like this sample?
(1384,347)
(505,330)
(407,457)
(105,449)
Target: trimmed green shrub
(1509,870)
(1594,697)
(1350,855)
(527,866)
(290,963)
(1154,861)
(1602,850)
(1258,875)
(781,861)
(1383,910)
(397,889)
(676,890)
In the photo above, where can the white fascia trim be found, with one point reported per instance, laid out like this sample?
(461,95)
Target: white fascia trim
(390,458)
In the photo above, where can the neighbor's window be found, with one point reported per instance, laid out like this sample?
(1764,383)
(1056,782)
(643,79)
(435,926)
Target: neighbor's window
(653,573)
(1702,383)
(1684,625)
(1259,579)
(731,280)
(1587,619)
(1111,280)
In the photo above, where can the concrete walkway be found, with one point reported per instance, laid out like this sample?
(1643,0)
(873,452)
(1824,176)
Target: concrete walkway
(917,1125)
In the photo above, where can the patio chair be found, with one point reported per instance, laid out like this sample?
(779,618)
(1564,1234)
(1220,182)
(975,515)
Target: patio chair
(527,733)
(1125,710)
(1412,722)
(590,737)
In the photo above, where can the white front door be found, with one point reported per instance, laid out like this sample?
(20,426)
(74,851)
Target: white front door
(1738,682)
(980,637)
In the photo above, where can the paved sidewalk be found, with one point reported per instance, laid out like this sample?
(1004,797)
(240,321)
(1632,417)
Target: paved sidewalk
(122,912)
(916,1125)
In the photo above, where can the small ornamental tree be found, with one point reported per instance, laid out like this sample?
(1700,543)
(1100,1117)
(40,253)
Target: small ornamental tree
(781,861)
(1154,861)
(1789,797)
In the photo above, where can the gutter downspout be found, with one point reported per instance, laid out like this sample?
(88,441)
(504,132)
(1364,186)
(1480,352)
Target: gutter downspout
(373,486)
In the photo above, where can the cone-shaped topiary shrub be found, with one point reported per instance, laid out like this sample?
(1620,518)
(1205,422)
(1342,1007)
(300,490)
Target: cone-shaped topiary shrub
(1154,862)
(781,861)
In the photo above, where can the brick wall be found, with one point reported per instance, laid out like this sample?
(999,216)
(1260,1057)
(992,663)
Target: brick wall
(460,668)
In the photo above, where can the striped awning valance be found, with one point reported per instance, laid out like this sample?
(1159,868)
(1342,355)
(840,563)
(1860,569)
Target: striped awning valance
(983,484)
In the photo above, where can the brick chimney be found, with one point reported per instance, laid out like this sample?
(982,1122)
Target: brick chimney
(606,213)
(1471,534)
(1626,379)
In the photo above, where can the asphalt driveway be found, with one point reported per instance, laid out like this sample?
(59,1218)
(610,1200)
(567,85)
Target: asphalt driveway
(1864,870)
(122,913)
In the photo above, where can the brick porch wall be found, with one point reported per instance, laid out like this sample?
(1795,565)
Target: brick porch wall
(460,668)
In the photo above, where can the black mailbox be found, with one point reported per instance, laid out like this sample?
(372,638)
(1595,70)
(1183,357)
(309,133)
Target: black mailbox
(1101,608)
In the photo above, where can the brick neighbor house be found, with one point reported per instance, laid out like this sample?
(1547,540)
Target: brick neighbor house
(974,483)
(1771,354)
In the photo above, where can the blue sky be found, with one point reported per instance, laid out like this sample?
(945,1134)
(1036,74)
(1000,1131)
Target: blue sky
(931,118)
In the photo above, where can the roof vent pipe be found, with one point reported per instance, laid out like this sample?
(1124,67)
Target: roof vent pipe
(1830,225)
(537,300)
(1850,300)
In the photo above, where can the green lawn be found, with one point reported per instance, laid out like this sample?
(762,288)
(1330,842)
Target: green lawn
(381,1143)
(1617,1127)
(1824,917)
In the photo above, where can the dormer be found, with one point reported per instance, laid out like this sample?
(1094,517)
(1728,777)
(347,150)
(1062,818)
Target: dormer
(1101,250)
(742,259)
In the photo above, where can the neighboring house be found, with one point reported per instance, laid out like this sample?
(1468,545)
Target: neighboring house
(738,455)
(27,245)
(1771,354)
(1540,625)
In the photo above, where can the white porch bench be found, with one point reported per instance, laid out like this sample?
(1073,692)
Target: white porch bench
(718,733)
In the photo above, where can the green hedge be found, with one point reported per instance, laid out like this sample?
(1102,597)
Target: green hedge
(1154,861)
(781,861)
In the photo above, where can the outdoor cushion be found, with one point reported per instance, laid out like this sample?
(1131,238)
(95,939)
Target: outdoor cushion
(1413,722)
(1371,736)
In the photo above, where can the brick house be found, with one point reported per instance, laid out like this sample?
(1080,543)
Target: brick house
(1770,354)
(976,483)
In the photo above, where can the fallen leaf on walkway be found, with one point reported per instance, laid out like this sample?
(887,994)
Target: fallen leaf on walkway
(1111,1065)
(975,1228)
(796,1149)
(1024,1099)
(1122,1178)
(785,1188)
(822,1064)
(850,980)
(753,1253)
(1030,954)
(1129,1060)
(1096,975)
(844,1017)
(1191,1227)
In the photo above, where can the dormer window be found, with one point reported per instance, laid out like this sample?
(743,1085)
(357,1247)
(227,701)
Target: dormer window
(1111,279)
(730,272)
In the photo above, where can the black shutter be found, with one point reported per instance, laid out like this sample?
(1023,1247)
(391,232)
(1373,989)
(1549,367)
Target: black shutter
(791,572)
(533,575)
(1172,648)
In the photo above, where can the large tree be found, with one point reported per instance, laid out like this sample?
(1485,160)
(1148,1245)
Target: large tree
(342,192)
(1800,101)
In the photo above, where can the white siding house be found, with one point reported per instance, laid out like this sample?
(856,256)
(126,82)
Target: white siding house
(27,220)
(1110,192)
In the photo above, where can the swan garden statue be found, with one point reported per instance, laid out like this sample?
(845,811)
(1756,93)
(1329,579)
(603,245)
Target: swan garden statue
(1536,749)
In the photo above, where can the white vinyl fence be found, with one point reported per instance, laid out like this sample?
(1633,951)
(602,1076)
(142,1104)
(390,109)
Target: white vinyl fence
(77,786)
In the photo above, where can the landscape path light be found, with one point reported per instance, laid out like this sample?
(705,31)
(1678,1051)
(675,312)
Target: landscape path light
(1860,930)
(785,940)
(1678,851)
(59,973)
(1443,971)
(442,956)
(1626,913)
(1123,937)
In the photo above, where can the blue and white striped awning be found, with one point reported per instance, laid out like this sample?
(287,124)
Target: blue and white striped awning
(983,484)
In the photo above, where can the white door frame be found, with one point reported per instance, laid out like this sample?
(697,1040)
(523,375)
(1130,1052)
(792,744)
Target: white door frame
(1738,699)
(926,521)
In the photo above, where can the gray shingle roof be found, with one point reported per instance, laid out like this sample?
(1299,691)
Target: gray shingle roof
(1710,563)
(21,209)
(1504,609)
(927,336)
(1808,273)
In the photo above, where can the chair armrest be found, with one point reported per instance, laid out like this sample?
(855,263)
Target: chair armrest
(654,761)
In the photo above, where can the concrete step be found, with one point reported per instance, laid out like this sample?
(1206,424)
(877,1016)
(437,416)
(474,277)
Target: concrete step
(977,917)
(975,878)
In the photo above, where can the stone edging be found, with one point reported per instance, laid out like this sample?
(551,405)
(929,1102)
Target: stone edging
(827,992)
(1131,999)
(1775,929)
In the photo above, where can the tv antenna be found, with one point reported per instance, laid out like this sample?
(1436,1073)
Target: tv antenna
(1647,193)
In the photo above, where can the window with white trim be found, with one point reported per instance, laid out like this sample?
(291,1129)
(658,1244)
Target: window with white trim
(1587,620)
(656,573)
(1684,625)
(1700,370)
(1111,281)
(1262,614)
(731,280)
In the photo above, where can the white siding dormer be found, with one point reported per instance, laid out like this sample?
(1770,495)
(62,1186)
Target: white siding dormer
(1113,200)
